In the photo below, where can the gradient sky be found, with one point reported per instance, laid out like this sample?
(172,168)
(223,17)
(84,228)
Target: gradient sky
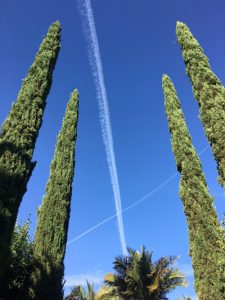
(138,44)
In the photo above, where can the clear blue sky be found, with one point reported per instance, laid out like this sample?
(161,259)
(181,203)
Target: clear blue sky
(138,44)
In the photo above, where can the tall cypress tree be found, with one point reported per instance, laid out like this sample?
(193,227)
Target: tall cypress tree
(18,136)
(208,91)
(205,235)
(54,213)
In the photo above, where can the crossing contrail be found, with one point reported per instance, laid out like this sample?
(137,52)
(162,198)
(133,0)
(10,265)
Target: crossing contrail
(97,71)
(155,190)
(125,209)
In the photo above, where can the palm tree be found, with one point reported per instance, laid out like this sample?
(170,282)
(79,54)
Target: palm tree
(137,277)
(81,293)
(106,293)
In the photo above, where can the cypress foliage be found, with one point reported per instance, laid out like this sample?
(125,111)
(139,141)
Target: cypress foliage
(18,136)
(207,245)
(54,213)
(208,91)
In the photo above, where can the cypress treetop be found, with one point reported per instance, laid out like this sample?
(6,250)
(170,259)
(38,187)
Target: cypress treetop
(209,93)
(54,213)
(207,245)
(24,120)
(18,136)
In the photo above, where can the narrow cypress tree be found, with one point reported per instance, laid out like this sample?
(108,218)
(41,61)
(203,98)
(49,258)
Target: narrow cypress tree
(18,136)
(205,235)
(208,91)
(54,213)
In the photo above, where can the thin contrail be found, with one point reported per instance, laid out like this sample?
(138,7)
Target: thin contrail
(125,209)
(97,71)
(159,187)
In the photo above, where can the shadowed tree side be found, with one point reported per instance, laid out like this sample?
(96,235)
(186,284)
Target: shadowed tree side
(53,215)
(209,93)
(18,136)
(205,234)
(21,263)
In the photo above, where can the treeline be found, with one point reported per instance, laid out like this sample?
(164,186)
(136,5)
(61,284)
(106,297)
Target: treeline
(135,275)
(46,255)
(206,236)
(17,142)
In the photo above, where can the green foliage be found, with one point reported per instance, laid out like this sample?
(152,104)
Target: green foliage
(106,293)
(137,277)
(81,293)
(18,274)
(207,245)
(208,91)
(223,222)
(54,213)
(18,136)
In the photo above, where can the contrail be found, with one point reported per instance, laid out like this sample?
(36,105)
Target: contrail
(97,71)
(159,187)
(125,209)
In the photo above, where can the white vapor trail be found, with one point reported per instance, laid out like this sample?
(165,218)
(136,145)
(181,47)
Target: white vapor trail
(125,209)
(159,187)
(97,71)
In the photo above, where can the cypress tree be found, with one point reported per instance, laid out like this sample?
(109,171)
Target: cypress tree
(205,235)
(18,136)
(209,93)
(54,213)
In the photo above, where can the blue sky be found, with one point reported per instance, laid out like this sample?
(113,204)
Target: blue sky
(138,44)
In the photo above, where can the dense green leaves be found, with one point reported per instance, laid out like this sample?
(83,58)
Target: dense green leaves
(106,293)
(81,293)
(205,233)
(18,274)
(54,213)
(18,136)
(208,91)
(137,277)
